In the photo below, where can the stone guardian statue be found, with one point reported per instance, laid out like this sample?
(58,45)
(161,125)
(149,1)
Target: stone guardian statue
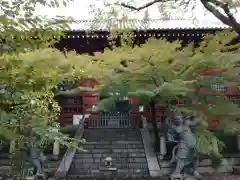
(184,153)
(36,158)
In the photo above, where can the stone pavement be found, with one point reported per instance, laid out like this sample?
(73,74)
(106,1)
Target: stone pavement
(221,176)
(214,176)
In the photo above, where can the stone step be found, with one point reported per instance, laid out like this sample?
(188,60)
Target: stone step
(88,155)
(140,165)
(125,146)
(111,135)
(105,176)
(101,142)
(99,139)
(118,166)
(113,130)
(145,177)
(108,151)
(98,170)
(119,160)
(107,146)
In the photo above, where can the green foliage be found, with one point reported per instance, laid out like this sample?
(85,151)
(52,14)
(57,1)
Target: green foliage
(27,80)
(159,72)
(28,111)
(23,29)
(207,142)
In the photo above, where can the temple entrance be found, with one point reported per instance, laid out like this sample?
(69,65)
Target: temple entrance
(117,116)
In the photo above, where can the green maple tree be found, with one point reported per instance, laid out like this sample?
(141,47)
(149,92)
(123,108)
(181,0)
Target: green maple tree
(23,29)
(28,111)
(164,72)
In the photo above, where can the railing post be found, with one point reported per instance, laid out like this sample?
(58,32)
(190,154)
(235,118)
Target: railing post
(163,147)
(56,150)
(152,161)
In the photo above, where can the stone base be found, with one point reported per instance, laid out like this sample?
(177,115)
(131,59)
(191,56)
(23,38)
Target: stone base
(236,170)
(227,166)
(108,169)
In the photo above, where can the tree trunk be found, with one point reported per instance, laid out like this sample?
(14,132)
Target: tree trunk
(155,128)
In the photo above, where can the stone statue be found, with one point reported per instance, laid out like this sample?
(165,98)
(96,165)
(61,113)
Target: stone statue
(184,153)
(36,157)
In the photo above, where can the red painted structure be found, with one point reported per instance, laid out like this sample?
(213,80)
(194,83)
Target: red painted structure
(84,102)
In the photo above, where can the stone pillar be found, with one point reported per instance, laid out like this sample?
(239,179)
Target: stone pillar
(163,147)
(56,150)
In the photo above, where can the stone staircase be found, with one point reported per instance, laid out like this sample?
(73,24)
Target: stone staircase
(124,146)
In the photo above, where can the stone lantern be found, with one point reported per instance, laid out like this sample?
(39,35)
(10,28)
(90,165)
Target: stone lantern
(108,162)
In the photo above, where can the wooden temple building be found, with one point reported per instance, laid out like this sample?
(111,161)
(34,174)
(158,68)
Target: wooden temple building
(90,36)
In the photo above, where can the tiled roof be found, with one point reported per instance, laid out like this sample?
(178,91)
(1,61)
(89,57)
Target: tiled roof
(154,24)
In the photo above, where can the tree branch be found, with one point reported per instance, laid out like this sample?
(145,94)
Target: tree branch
(235,24)
(75,91)
(141,7)
(227,19)
(216,12)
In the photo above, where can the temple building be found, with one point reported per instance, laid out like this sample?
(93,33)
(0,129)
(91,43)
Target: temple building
(124,129)
(92,36)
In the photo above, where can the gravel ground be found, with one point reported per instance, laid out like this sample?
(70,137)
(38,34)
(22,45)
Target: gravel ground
(215,176)
(221,176)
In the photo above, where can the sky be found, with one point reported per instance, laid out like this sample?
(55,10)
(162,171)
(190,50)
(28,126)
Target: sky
(80,10)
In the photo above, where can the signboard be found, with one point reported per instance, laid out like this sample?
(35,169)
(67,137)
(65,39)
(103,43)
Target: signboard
(214,83)
(141,108)
(77,118)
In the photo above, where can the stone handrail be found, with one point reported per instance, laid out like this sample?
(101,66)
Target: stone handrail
(152,161)
(67,159)
(144,121)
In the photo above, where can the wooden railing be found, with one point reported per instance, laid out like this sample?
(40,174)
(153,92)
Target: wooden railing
(108,122)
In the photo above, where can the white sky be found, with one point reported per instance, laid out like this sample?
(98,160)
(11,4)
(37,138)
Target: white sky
(79,10)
